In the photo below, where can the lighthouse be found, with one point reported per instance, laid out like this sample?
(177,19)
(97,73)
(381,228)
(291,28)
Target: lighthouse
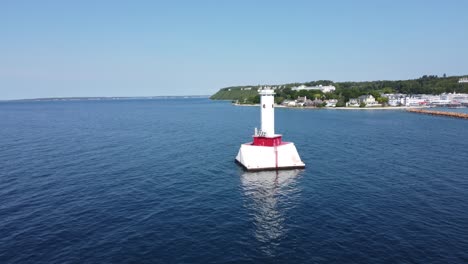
(268,151)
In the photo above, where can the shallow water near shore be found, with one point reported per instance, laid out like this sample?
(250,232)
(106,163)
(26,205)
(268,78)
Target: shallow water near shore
(455,110)
(154,181)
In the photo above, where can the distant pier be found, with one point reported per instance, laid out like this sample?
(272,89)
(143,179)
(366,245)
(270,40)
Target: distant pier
(439,113)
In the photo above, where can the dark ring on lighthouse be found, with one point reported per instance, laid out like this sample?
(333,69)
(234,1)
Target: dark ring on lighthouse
(263,105)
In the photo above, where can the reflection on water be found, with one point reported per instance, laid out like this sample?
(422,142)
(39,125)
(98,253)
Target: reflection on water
(269,195)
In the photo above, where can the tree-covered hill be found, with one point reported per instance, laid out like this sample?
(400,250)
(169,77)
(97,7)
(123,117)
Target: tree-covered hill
(235,93)
(427,84)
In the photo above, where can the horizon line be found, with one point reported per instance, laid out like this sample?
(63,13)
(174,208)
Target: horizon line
(102,97)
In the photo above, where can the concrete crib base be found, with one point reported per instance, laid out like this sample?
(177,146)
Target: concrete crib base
(258,158)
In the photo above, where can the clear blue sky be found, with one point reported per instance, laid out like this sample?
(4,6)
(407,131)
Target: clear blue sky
(139,48)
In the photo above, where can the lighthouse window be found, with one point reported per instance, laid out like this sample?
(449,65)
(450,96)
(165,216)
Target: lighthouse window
(272,106)
(263,105)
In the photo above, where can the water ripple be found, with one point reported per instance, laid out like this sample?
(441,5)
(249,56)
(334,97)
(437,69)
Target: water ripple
(154,181)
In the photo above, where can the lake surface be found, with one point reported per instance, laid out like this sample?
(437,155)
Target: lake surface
(459,110)
(154,181)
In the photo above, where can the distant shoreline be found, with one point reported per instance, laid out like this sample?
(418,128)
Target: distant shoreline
(378,108)
(343,108)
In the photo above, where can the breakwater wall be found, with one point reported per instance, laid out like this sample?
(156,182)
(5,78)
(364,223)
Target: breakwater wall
(439,113)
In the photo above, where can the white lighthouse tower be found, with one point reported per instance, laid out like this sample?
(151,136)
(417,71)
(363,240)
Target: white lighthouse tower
(268,151)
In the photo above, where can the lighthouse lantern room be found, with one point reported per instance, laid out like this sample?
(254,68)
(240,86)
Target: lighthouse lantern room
(268,151)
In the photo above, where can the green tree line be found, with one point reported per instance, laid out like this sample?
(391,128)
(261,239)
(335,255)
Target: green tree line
(427,84)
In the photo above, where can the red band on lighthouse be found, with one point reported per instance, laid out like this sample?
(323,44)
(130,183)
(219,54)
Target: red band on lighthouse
(267,141)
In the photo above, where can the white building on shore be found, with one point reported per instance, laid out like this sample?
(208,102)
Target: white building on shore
(367,99)
(353,102)
(331,102)
(395,99)
(323,88)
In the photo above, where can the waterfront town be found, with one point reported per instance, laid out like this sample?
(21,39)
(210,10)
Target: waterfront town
(426,91)
(453,100)
(457,100)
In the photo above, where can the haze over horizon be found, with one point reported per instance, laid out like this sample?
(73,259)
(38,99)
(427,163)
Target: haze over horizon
(107,48)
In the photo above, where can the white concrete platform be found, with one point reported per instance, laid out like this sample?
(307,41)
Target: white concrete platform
(256,158)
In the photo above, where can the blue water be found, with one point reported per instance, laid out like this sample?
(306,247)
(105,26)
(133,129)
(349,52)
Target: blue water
(446,109)
(154,181)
